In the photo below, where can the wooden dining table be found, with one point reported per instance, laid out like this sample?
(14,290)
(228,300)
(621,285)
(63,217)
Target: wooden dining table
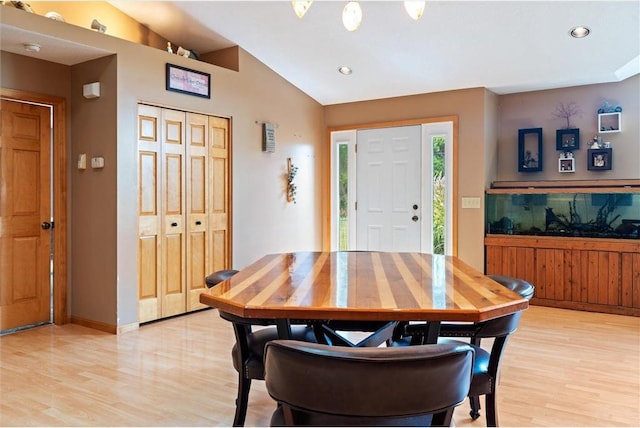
(362,286)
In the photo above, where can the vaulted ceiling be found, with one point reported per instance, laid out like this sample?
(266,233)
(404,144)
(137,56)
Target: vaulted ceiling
(505,46)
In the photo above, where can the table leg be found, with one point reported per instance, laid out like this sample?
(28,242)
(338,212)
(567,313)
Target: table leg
(284,328)
(431,332)
(423,333)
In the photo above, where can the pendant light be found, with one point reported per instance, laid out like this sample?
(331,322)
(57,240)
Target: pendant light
(415,9)
(352,16)
(300,7)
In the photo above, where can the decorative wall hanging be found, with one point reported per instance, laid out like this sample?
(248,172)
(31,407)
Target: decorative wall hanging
(268,137)
(566,111)
(599,159)
(292,170)
(567,162)
(530,150)
(187,81)
(609,118)
(568,139)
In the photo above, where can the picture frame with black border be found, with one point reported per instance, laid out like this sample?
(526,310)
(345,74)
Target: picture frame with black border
(567,139)
(530,150)
(188,81)
(599,159)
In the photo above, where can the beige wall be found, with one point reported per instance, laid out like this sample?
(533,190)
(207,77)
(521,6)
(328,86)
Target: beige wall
(469,106)
(535,110)
(105,202)
(93,193)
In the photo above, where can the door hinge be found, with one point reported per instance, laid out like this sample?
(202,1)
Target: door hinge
(356,205)
(356,148)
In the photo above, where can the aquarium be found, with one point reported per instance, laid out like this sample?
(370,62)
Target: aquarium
(579,214)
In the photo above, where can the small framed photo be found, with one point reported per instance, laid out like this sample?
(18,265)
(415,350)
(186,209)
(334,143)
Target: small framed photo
(187,81)
(566,165)
(567,139)
(599,159)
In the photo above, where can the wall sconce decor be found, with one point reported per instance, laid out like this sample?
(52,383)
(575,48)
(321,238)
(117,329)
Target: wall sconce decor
(292,170)
(530,150)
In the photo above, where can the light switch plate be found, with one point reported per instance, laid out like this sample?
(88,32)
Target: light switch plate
(82,161)
(470,202)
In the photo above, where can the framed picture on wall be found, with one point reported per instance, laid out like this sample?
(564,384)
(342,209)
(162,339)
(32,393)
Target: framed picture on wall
(599,159)
(187,81)
(567,139)
(530,150)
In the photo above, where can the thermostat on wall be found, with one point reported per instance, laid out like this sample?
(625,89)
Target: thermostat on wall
(97,162)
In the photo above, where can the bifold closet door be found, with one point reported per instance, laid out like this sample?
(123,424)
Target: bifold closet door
(197,220)
(220,202)
(184,207)
(173,205)
(149,213)
(161,188)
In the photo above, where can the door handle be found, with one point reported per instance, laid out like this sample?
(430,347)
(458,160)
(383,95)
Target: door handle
(415,218)
(46,225)
(198,223)
(415,206)
(174,224)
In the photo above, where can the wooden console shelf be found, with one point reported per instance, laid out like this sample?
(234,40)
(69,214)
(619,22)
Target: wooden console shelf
(599,275)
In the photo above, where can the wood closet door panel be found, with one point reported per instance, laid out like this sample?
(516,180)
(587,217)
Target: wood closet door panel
(173,292)
(149,213)
(197,220)
(220,203)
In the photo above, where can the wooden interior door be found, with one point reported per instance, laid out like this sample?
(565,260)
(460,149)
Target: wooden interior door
(173,205)
(197,220)
(220,206)
(149,213)
(25,209)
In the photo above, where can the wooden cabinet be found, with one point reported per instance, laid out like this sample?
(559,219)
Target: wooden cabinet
(601,275)
(183,188)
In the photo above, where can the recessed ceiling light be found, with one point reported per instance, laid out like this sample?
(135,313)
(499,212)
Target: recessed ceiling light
(579,32)
(345,70)
(31,47)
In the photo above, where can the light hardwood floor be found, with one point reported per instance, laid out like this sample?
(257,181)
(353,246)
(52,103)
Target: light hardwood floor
(561,368)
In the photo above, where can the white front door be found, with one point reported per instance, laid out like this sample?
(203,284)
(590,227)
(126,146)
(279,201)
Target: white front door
(388,213)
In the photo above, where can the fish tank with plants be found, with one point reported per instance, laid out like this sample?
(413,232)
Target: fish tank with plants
(583,213)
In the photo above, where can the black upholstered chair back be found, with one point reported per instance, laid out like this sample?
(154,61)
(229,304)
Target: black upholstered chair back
(498,327)
(316,384)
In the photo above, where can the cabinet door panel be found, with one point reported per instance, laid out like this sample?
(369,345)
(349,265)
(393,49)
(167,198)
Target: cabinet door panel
(573,273)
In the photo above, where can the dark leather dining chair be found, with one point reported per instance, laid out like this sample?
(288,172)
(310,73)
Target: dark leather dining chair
(321,385)
(487,363)
(248,352)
